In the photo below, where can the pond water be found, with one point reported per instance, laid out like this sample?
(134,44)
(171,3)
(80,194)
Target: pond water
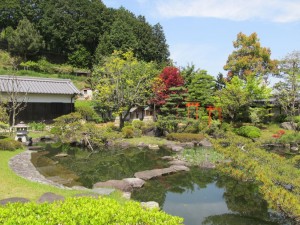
(199,196)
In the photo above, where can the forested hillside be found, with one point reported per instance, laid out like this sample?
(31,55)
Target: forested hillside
(77,32)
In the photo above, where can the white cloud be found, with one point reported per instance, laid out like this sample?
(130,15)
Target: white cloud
(237,10)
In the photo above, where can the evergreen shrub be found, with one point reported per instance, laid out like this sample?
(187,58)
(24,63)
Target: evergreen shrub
(127,132)
(185,137)
(84,210)
(9,144)
(248,131)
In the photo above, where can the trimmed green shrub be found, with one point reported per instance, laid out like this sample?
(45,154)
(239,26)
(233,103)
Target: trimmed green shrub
(248,131)
(185,137)
(84,210)
(127,132)
(138,124)
(10,144)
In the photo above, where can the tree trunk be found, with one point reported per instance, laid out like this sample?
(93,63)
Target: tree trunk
(121,121)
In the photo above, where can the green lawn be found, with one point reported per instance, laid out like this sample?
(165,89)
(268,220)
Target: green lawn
(14,186)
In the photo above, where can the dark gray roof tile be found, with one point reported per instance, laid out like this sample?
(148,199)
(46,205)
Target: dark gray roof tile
(37,85)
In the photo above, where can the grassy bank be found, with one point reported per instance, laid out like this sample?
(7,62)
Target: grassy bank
(14,186)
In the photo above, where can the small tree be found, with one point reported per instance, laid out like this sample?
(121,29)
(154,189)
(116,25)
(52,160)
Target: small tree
(15,97)
(287,91)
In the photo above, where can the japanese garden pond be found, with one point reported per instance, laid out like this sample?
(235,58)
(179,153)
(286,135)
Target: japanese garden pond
(200,196)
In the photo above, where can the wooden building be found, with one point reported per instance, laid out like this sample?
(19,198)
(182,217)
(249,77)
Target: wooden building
(45,98)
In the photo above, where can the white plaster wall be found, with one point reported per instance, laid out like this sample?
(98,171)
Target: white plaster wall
(45,98)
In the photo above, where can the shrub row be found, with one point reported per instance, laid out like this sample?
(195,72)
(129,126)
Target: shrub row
(185,137)
(84,210)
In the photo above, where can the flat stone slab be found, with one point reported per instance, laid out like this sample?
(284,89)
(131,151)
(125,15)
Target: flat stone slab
(149,174)
(167,157)
(50,197)
(205,143)
(118,184)
(103,191)
(153,147)
(178,162)
(135,182)
(13,200)
(61,155)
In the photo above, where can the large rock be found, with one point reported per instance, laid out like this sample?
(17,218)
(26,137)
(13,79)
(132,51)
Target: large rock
(50,197)
(176,148)
(135,182)
(13,200)
(205,143)
(288,125)
(118,184)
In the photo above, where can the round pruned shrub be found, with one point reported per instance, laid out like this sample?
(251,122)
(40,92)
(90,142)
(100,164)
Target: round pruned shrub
(248,131)
(138,124)
(9,144)
(185,137)
(127,132)
(84,210)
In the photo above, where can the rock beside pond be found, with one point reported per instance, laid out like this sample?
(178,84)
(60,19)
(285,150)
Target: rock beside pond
(167,157)
(103,191)
(118,184)
(150,205)
(176,168)
(13,200)
(135,182)
(50,197)
(205,143)
(176,148)
(288,125)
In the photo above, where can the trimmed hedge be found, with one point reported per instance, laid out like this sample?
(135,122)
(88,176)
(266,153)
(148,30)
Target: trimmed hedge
(185,137)
(84,210)
(248,131)
(10,144)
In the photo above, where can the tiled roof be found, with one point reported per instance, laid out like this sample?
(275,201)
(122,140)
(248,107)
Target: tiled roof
(37,85)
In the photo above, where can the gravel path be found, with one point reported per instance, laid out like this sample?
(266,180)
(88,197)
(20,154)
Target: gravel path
(22,166)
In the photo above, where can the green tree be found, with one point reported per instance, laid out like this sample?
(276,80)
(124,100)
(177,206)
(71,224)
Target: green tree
(287,91)
(124,82)
(239,94)
(25,39)
(201,88)
(249,58)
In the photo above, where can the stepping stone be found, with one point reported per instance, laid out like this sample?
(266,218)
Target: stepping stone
(118,184)
(148,174)
(167,158)
(153,147)
(103,191)
(50,197)
(61,155)
(13,200)
(135,182)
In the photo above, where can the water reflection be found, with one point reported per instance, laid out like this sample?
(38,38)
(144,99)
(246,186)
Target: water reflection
(205,197)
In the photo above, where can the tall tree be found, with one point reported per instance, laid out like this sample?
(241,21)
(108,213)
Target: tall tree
(124,82)
(25,39)
(249,58)
(287,91)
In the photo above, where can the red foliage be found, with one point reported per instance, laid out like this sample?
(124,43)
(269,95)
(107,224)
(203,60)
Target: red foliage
(169,77)
(278,134)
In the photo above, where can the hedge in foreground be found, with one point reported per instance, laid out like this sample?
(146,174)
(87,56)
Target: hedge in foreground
(84,210)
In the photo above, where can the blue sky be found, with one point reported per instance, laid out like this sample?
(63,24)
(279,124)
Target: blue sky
(201,32)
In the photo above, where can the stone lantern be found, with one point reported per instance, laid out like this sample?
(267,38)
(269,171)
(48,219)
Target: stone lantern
(21,132)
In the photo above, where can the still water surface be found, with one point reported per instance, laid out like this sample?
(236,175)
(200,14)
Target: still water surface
(203,197)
